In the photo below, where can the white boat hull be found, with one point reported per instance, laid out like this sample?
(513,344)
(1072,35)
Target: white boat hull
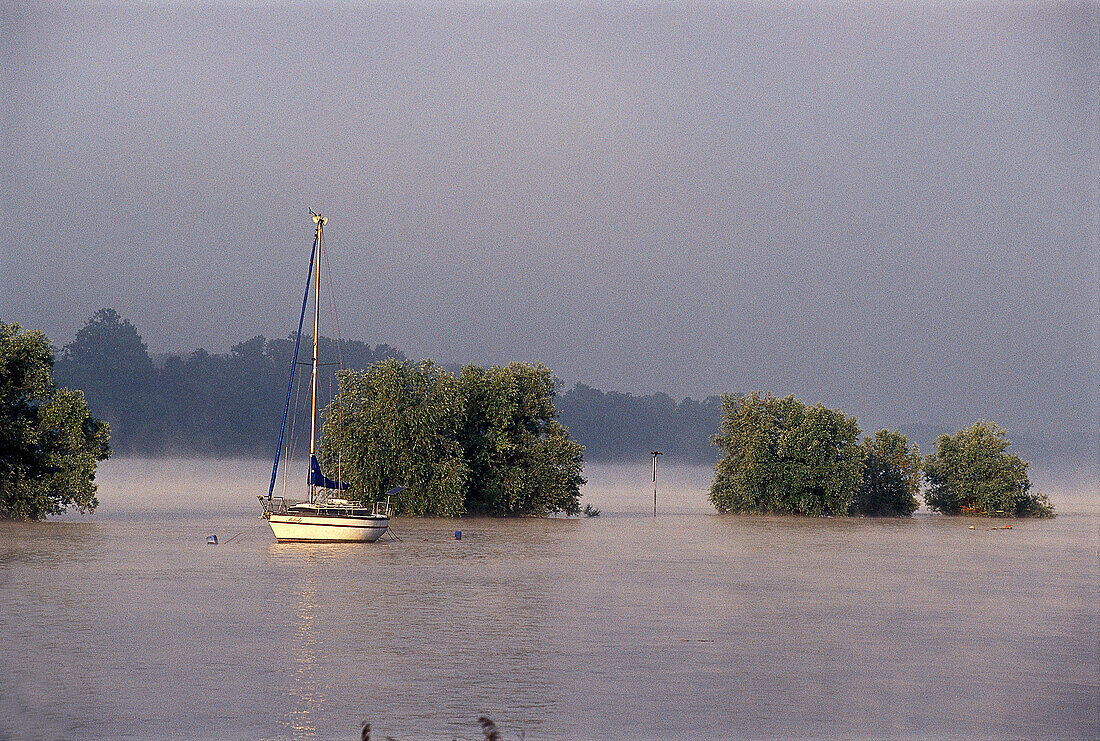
(328,528)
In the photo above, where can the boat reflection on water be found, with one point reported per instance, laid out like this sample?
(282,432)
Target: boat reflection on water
(304,653)
(305,700)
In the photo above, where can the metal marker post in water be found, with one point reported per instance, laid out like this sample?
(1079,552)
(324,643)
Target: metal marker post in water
(655,453)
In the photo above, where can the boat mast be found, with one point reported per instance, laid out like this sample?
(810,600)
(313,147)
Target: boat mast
(290,383)
(320,222)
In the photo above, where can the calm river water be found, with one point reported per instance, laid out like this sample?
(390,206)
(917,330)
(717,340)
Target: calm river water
(125,624)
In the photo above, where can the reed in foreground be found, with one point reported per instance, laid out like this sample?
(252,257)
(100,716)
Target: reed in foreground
(488,729)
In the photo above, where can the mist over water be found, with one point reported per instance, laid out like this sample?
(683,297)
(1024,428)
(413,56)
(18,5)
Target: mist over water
(690,624)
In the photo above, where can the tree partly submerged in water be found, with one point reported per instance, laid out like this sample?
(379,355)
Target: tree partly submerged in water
(523,461)
(396,423)
(891,476)
(972,473)
(49,442)
(783,456)
(486,442)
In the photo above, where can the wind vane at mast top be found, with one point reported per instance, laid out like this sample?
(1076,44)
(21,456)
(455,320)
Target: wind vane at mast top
(317,218)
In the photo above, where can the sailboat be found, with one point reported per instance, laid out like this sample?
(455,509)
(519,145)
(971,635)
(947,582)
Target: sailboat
(323,516)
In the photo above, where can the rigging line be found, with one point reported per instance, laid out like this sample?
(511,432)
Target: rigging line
(332,306)
(292,437)
(328,377)
(292,442)
(293,365)
(288,448)
(339,349)
(242,532)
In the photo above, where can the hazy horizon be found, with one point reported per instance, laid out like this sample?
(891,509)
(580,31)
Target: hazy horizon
(888,208)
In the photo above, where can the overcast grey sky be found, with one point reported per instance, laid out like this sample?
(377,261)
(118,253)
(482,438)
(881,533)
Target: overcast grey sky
(888,208)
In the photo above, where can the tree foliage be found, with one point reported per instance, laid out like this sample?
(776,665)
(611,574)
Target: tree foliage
(972,473)
(199,402)
(49,442)
(395,424)
(891,476)
(486,442)
(783,456)
(522,459)
(231,403)
(619,426)
(111,364)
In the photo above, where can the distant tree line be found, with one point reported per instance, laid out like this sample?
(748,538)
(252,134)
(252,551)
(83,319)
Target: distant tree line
(224,404)
(773,455)
(231,404)
(617,426)
(782,456)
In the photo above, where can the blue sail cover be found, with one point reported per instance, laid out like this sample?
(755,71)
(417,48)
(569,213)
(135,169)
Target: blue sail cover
(318,479)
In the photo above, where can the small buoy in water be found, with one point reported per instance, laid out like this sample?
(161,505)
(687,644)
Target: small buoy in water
(458,535)
(971,527)
(211,539)
(1008,527)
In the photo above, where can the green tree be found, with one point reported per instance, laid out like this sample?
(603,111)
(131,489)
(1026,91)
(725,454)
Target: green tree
(486,442)
(111,364)
(396,424)
(522,460)
(49,443)
(891,476)
(782,456)
(971,473)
